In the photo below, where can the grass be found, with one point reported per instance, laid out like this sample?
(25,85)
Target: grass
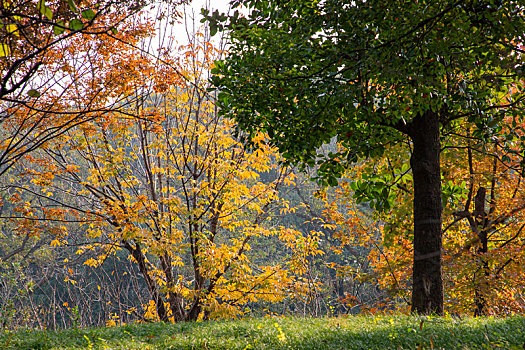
(355,332)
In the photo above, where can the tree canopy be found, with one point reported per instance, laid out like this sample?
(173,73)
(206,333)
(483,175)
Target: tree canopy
(133,190)
(42,66)
(371,74)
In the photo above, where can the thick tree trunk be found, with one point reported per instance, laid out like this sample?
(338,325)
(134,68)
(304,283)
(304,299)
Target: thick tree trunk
(427,288)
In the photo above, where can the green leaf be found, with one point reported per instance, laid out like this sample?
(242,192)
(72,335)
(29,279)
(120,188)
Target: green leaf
(59,28)
(332,181)
(88,14)
(114,31)
(492,123)
(72,5)
(76,24)
(33,93)
(46,11)
(213,28)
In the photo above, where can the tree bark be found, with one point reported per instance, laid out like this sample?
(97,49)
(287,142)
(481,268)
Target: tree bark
(481,276)
(427,288)
(152,286)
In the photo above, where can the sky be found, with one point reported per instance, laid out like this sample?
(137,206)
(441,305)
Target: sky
(194,8)
(175,35)
(215,4)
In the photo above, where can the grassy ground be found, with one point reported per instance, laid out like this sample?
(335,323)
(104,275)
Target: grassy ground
(359,332)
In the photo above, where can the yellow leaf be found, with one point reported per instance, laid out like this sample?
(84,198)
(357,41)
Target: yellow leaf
(91,262)
(12,28)
(5,50)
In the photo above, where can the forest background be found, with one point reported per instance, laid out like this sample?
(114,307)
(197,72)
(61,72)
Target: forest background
(126,196)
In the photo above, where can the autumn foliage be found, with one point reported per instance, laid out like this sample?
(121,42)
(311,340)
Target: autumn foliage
(164,179)
(112,149)
(483,225)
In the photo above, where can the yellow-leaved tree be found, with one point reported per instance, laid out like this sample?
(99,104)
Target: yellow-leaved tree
(166,180)
(61,64)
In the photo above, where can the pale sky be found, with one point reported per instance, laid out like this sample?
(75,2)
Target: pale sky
(194,9)
(221,5)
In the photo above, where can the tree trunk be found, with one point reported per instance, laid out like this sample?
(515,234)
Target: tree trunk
(152,286)
(481,276)
(427,288)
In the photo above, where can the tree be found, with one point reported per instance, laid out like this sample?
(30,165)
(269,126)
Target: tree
(164,180)
(373,74)
(483,219)
(73,80)
(37,53)
(348,234)
(484,232)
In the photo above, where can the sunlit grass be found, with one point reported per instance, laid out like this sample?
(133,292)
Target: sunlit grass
(354,332)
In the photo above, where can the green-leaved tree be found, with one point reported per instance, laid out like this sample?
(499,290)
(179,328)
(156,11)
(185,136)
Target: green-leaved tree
(372,73)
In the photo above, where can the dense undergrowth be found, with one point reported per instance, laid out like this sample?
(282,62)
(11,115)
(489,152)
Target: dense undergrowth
(353,332)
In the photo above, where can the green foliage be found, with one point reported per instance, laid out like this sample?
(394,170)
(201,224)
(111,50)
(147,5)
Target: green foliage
(44,10)
(76,24)
(88,14)
(59,28)
(72,5)
(33,93)
(370,74)
(15,287)
(362,332)
(453,192)
(309,71)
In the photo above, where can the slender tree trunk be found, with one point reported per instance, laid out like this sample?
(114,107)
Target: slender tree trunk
(152,286)
(427,288)
(480,278)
